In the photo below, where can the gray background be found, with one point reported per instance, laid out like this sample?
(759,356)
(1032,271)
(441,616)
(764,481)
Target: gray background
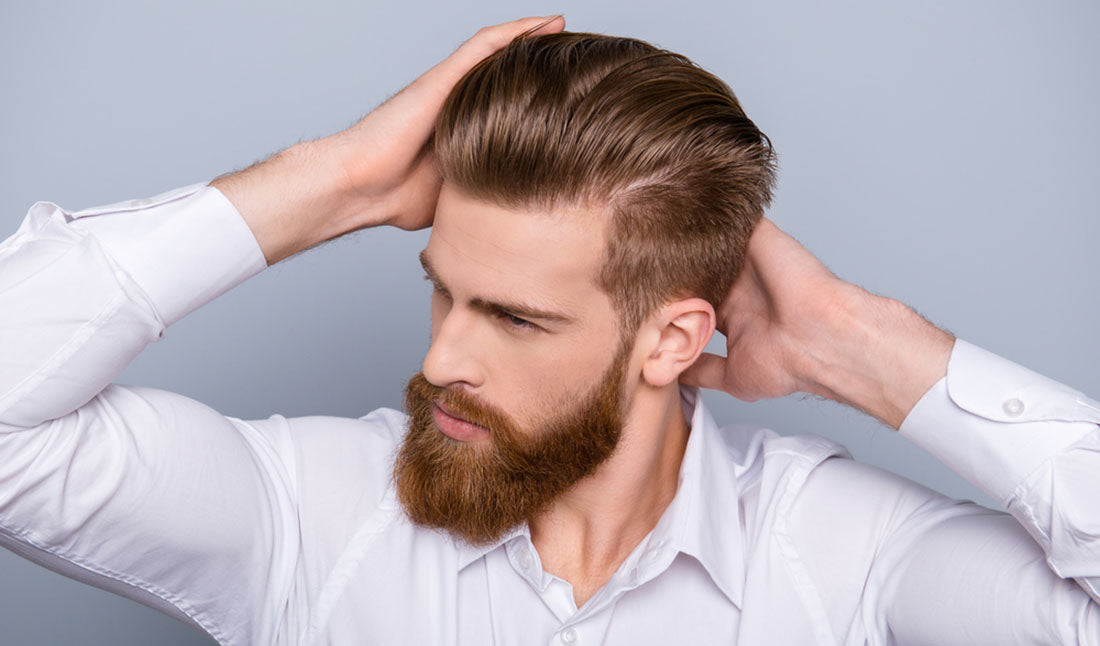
(944,153)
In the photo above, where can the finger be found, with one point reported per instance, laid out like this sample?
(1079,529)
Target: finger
(708,371)
(413,110)
(488,40)
(496,36)
(551,25)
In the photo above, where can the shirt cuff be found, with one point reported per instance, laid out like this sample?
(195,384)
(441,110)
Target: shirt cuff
(183,248)
(994,421)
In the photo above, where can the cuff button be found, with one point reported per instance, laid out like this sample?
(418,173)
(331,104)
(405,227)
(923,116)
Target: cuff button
(1013,407)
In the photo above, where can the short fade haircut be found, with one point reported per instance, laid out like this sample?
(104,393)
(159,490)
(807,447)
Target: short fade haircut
(587,120)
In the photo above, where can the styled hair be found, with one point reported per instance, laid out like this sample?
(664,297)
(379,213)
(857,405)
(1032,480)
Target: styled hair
(587,120)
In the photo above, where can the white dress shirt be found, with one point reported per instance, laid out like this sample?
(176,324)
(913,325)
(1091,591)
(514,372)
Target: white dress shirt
(286,531)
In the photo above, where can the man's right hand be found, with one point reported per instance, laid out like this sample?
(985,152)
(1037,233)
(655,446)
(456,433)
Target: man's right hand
(379,171)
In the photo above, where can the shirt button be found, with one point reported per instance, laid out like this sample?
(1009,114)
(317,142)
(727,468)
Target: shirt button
(569,636)
(525,560)
(1013,407)
(652,553)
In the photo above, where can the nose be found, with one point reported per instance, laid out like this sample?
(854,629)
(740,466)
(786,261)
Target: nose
(452,358)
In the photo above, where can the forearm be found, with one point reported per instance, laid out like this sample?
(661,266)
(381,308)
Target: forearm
(877,355)
(1028,441)
(82,293)
(296,199)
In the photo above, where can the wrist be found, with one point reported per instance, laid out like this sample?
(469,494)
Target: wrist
(292,201)
(378,182)
(877,355)
(335,206)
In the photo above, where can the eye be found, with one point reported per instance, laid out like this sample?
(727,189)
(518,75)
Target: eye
(517,322)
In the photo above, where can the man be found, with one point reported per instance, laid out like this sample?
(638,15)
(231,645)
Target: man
(553,482)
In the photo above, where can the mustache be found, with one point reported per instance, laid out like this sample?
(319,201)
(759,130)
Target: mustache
(421,393)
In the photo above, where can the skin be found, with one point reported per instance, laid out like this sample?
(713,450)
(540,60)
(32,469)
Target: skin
(790,324)
(530,373)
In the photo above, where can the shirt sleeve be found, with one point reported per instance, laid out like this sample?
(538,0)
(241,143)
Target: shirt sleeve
(1027,440)
(142,492)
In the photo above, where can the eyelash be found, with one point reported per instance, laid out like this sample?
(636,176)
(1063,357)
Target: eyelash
(516,322)
(509,320)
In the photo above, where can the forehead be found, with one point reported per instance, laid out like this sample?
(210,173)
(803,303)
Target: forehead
(551,258)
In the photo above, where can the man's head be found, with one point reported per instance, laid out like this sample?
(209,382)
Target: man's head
(598,198)
(656,143)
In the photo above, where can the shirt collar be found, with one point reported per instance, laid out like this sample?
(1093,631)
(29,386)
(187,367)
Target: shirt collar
(706,507)
(704,518)
(468,553)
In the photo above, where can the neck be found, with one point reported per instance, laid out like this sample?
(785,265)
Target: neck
(595,525)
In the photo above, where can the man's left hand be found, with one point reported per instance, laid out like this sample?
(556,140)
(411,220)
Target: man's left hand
(792,326)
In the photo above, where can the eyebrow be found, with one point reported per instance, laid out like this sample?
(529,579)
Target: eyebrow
(489,306)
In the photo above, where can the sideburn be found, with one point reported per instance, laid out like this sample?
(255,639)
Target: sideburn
(479,492)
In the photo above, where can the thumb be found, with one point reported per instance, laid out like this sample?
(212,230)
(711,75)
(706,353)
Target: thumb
(708,371)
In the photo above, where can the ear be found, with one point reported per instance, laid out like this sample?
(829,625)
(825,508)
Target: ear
(683,329)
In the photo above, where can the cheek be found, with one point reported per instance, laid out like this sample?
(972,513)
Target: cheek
(542,383)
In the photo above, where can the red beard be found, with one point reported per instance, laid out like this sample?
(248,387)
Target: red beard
(480,491)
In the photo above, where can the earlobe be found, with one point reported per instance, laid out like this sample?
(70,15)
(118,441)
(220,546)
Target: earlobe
(685,328)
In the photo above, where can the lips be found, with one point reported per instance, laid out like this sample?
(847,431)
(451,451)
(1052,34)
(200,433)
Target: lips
(454,414)
(457,428)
